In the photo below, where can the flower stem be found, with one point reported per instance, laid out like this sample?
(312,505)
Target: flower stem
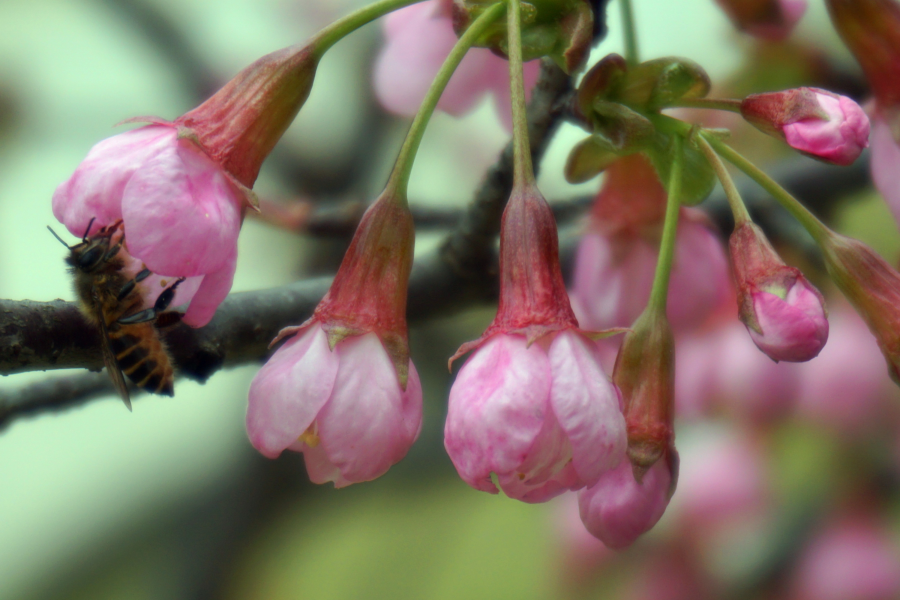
(660,291)
(399,179)
(344,26)
(523,170)
(813,225)
(738,209)
(631,45)
(729,104)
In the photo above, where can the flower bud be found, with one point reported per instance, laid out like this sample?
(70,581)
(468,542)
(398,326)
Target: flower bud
(818,123)
(767,19)
(619,508)
(342,389)
(532,404)
(873,288)
(783,312)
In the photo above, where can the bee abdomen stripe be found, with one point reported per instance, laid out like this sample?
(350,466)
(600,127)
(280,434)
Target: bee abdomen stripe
(140,372)
(120,342)
(131,357)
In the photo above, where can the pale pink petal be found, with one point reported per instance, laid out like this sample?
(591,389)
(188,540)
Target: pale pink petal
(290,390)
(619,509)
(411,58)
(182,215)
(319,467)
(213,288)
(366,426)
(497,407)
(587,405)
(95,189)
(564,480)
(885,165)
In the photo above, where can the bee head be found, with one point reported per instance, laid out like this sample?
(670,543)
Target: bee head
(91,252)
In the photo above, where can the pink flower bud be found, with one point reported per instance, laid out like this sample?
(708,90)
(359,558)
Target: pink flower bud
(853,559)
(873,288)
(783,312)
(532,403)
(766,19)
(543,417)
(618,509)
(418,39)
(180,188)
(818,123)
(343,390)
(344,408)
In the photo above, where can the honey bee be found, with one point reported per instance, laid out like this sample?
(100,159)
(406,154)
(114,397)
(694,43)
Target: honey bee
(111,300)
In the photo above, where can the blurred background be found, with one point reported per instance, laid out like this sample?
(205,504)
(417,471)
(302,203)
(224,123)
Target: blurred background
(789,483)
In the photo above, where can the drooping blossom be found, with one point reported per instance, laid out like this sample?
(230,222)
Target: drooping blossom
(616,257)
(628,501)
(816,122)
(766,19)
(851,559)
(871,30)
(342,389)
(783,312)
(180,188)
(532,404)
(418,39)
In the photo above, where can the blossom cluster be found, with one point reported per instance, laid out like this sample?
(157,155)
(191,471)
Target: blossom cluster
(533,411)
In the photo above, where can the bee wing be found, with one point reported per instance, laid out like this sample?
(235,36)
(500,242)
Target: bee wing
(109,359)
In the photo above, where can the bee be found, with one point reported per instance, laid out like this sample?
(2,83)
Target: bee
(111,300)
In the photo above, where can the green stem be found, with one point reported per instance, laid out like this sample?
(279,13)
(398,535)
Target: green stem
(738,209)
(729,104)
(399,179)
(335,32)
(631,45)
(523,170)
(660,290)
(813,225)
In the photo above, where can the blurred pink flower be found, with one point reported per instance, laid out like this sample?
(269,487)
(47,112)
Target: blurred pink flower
(344,409)
(613,276)
(418,40)
(845,386)
(766,19)
(851,560)
(180,211)
(543,417)
(885,164)
(618,509)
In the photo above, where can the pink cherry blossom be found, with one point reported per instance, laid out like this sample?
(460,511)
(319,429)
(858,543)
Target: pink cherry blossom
(618,509)
(543,418)
(849,560)
(180,211)
(343,409)
(418,39)
(613,276)
(838,138)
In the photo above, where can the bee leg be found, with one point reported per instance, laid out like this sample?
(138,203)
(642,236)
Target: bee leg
(128,287)
(162,303)
(111,252)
